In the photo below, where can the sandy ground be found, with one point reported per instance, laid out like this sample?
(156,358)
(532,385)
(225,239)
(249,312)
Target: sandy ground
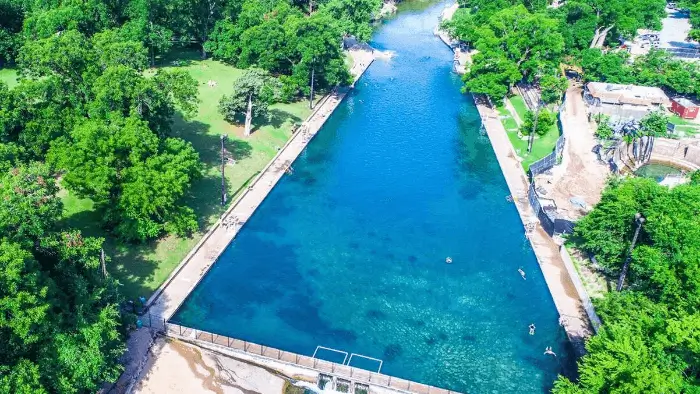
(178,367)
(580,174)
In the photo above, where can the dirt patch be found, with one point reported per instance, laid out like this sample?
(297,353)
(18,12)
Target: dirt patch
(580,176)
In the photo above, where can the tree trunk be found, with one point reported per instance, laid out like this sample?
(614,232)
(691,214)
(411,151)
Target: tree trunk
(599,36)
(248,116)
(311,96)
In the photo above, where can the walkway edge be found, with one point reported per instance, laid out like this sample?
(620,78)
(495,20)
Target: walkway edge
(559,281)
(206,252)
(216,225)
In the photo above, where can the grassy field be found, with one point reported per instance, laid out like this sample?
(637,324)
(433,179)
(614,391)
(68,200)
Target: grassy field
(8,76)
(507,119)
(541,147)
(142,268)
(520,106)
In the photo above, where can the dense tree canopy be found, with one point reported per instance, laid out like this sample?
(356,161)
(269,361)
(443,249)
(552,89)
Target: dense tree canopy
(58,314)
(87,117)
(650,340)
(575,32)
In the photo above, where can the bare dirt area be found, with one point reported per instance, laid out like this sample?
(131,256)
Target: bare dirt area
(580,176)
(178,367)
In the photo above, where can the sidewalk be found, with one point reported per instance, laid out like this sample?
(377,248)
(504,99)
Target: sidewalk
(560,285)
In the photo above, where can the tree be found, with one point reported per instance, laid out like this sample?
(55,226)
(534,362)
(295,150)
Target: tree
(124,91)
(604,131)
(545,120)
(353,16)
(513,45)
(607,231)
(196,19)
(251,95)
(490,75)
(654,124)
(135,178)
(552,88)
(29,208)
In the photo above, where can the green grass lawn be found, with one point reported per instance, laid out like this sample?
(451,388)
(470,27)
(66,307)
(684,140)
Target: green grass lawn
(519,105)
(541,147)
(507,118)
(678,121)
(8,76)
(142,268)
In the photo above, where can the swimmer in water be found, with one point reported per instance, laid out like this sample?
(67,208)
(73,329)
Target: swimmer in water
(548,350)
(448,260)
(532,329)
(522,273)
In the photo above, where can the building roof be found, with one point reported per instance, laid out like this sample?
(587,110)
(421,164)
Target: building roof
(628,94)
(685,102)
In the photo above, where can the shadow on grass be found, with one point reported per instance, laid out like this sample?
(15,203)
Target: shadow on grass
(276,118)
(209,145)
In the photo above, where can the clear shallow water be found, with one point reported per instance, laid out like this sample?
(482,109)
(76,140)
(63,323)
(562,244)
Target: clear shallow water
(656,171)
(349,251)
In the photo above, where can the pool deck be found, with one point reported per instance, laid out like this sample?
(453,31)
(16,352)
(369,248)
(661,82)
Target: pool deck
(566,299)
(172,293)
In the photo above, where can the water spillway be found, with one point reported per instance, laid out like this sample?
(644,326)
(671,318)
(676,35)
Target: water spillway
(349,251)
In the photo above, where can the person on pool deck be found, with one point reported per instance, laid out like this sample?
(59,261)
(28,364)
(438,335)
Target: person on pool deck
(548,350)
(522,273)
(532,329)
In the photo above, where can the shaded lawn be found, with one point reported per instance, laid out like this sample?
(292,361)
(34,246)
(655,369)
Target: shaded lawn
(8,76)
(142,268)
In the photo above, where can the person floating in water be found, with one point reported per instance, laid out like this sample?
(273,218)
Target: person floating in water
(532,329)
(548,350)
(522,273)
(448,260)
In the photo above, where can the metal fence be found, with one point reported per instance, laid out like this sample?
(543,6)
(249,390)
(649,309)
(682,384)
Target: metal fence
(548,162)
(356,375)
(549,219)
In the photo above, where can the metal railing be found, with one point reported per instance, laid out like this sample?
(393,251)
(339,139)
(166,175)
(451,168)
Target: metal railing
(357,375)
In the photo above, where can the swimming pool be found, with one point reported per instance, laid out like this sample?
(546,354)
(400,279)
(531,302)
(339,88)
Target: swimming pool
(349,251)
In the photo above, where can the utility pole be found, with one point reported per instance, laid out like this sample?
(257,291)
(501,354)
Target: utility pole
(223,177)
(311,96)
(639,220)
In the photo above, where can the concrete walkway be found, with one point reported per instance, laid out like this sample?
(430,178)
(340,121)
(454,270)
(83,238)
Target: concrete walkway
(166,300)
(566,299)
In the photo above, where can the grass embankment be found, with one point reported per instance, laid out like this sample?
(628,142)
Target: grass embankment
(8,76)
(142,268)
(541,147)
(685,127)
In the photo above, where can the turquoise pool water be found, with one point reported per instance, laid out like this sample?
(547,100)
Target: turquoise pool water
(349,251)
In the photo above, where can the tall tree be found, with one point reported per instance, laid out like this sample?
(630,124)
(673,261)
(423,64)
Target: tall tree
(135,178)
(251,94)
